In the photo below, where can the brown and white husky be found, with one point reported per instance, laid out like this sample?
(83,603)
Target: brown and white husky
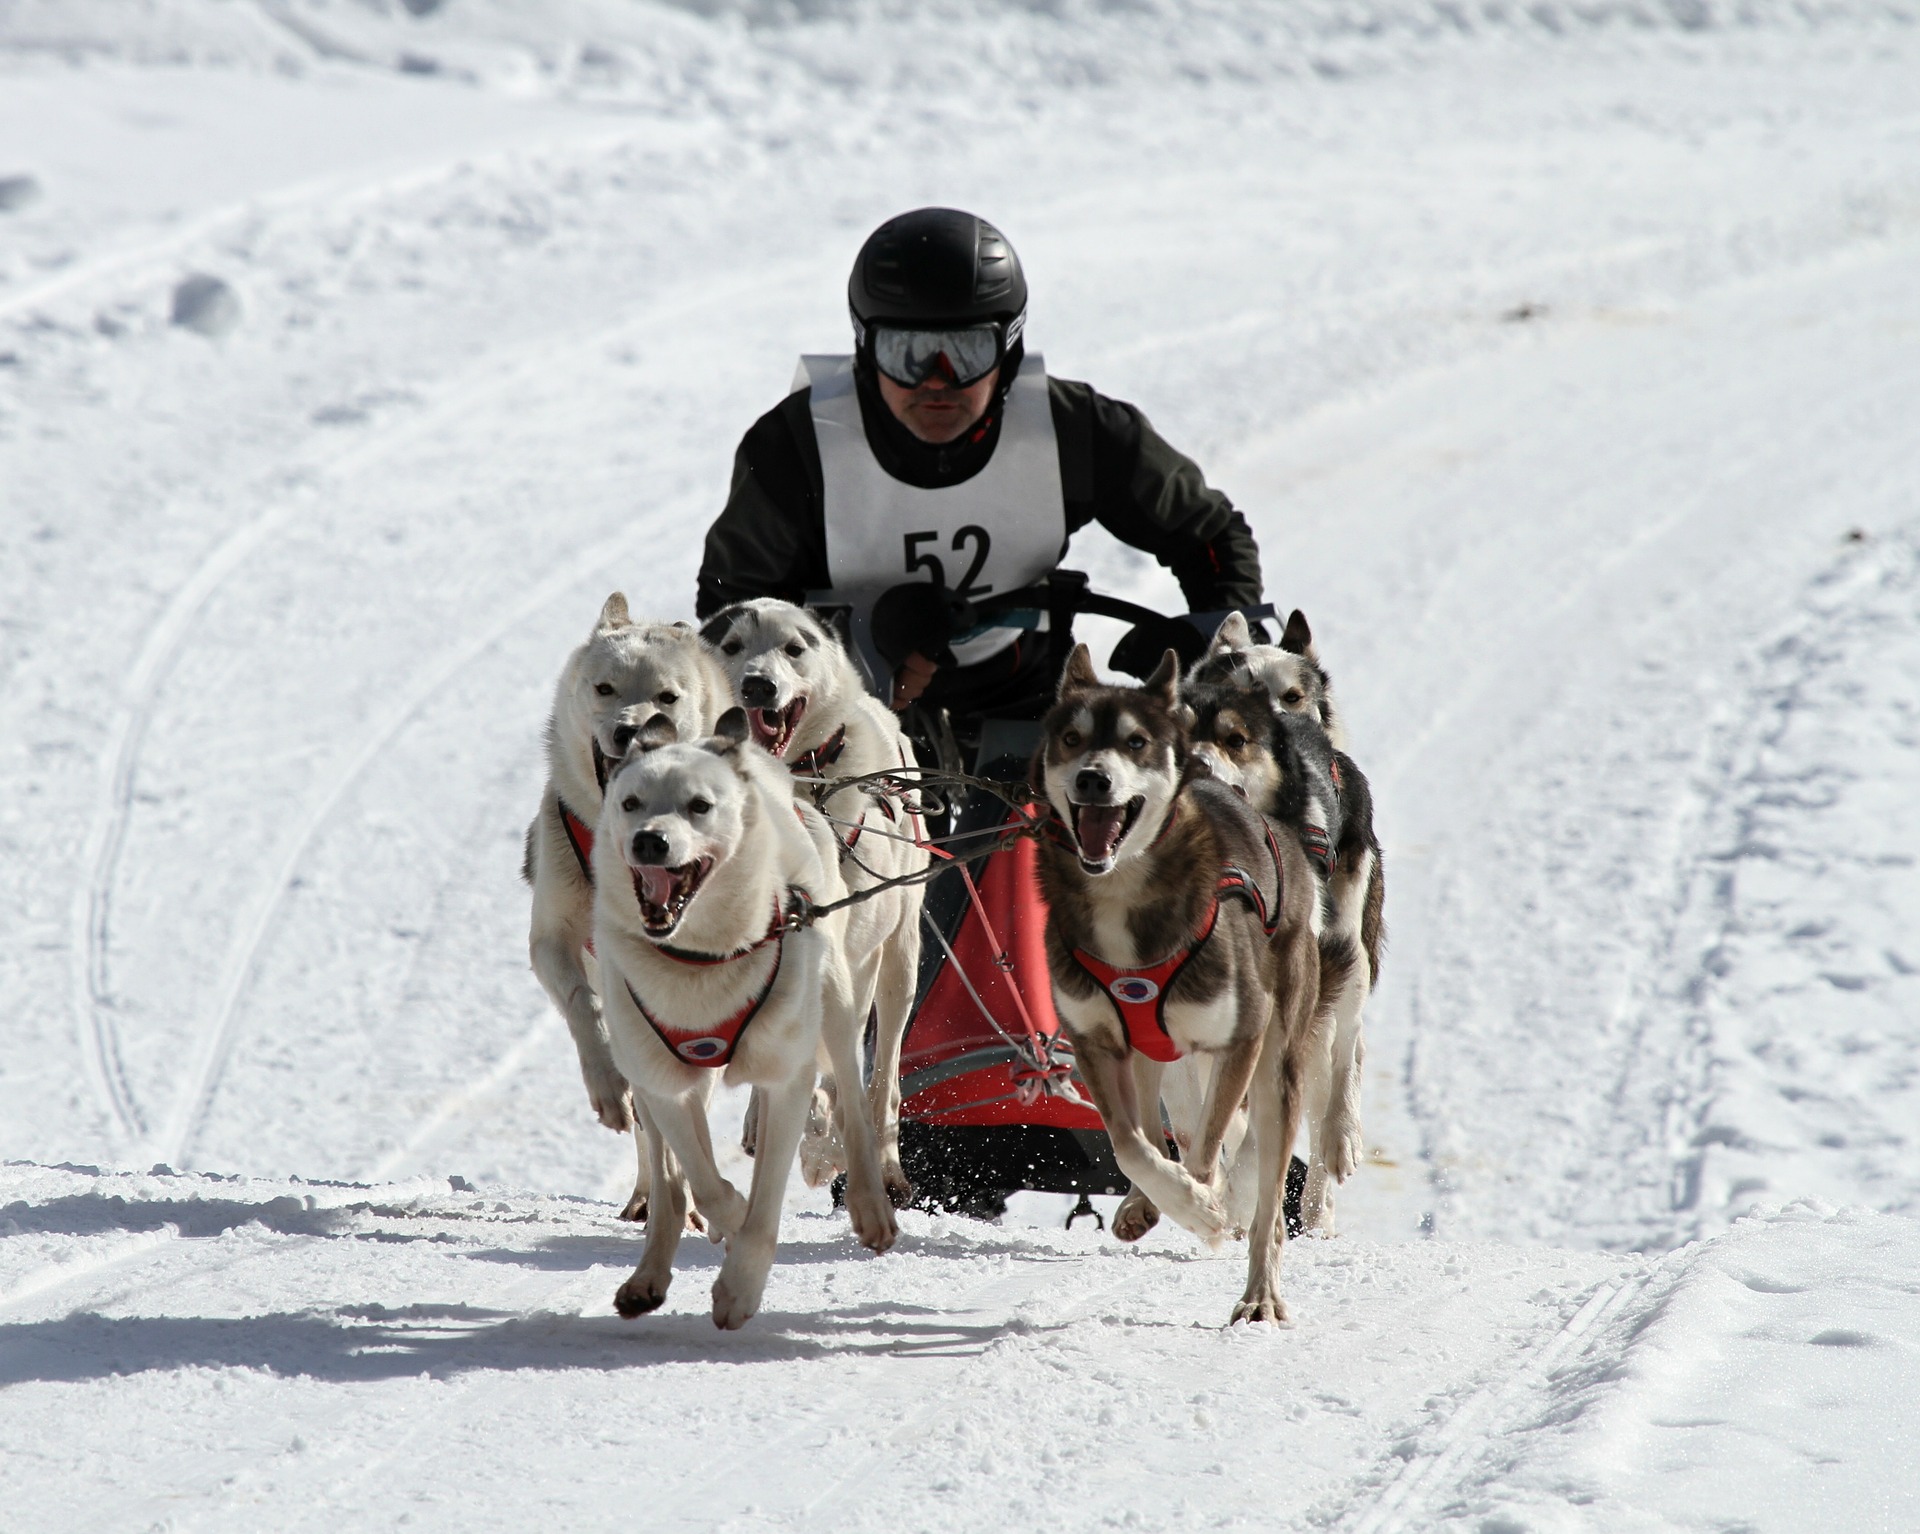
(1180,922)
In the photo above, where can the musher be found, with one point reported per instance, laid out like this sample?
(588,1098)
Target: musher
(941,454)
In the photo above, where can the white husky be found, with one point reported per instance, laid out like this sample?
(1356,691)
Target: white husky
(701,863)
(621,677)
(805,704)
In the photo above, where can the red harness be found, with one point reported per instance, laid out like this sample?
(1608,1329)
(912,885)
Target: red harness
(823,755)
(713,1047)
(1139,995)
(580,838)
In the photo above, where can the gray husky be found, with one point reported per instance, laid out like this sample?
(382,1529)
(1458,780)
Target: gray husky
(624,675)
(1180,922)
(1267,725)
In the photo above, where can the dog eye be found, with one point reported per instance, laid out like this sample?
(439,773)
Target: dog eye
(1070,738)
(1136,742)
(667,697)
(605,689)
(796,649)
(731,647)
(698,806)
(630,804)
(1236,741)
(1292,695)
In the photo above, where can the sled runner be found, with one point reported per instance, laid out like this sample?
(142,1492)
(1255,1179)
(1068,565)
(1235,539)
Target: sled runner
(990,1103)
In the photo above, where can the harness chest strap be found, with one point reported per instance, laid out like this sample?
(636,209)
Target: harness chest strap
(714,1046)
(579,837)
(1139,995)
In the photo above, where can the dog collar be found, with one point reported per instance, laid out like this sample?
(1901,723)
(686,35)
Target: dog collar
(704,960)
(823,755)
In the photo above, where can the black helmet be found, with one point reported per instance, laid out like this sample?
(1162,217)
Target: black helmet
(937,267)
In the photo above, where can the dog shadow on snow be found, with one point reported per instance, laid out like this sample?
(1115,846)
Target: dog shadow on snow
(374,1342)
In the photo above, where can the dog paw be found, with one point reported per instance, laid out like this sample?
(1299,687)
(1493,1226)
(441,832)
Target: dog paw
(611,1101)
(737,1291)
(636,1209)
(1264,1305)
(899,1190)
(1135,1217)
(727,1218)
(1343,1148)
(873,1223)
(640,1294)
(822,1158)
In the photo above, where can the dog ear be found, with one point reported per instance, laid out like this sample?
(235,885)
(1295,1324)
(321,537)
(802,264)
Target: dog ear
(613,614)
(1078,674)
(718,624)
(1165,680)
(1298,638)
(681,623)
(656,732)
(1233,634)
(729,732)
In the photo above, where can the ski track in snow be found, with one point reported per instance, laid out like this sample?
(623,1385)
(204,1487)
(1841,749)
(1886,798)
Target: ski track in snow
(1553,357)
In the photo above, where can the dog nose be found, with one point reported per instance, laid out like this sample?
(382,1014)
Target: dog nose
(1091,785)
(622,738)
(756,692)
(649,847)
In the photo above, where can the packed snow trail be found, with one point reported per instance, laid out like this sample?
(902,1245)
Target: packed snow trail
(1562,363)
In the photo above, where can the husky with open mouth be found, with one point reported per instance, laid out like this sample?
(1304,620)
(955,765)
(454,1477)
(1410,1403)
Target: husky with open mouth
(1269,745)
(806,705)
(623,675)
(705,870)
(1180,922)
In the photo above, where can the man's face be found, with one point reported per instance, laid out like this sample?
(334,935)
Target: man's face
(937,410)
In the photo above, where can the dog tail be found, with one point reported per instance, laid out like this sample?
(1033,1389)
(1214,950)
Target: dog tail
(1338,959)
(1373,923)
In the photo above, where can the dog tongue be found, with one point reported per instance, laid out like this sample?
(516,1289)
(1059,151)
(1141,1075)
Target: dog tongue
(1098,827)
(656,884)
(766,723)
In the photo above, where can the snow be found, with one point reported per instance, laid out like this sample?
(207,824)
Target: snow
(1562,358)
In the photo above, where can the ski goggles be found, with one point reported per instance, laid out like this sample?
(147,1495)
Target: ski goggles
(911,357)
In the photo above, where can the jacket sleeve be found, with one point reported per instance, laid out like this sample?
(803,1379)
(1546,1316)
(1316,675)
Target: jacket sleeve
(1154,498)
(769,539)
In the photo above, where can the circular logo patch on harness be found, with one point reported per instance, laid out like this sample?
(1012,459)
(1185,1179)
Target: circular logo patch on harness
(701,1051)
(1134,988)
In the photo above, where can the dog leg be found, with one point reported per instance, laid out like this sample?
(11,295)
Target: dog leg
(893,1002)
(1153,1083)
(1316,1201)
(636,1209)
(1341,1136)
(867,1204)
(750,1124)
(1167,1185)
(556,958)
(682,1121)
(1273,1149)
(647,1289)
(743,1276)
(823,1151)
(1233,1070)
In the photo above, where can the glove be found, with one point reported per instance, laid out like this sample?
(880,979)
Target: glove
(919,617)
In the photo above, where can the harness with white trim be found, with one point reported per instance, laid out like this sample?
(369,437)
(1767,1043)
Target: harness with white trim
(1139,993)
(713,1046)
